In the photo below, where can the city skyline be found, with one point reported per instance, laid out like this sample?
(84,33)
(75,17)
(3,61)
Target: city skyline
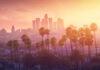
(49,34)
(46,22)
(21,13)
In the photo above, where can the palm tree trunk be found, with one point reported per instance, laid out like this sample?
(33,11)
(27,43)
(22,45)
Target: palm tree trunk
(62,51)
(66,49)
(89,52)
(76,46)
(95,43)
(49,42)
(83,49)
(42,47)
(71,47)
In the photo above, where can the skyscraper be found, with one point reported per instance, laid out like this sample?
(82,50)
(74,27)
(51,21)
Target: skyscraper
(60,24)
(34,25)
(13,29)
(38,24)
(50,23)
(46,23)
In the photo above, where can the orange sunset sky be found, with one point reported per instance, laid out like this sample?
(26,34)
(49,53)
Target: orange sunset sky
(20,13)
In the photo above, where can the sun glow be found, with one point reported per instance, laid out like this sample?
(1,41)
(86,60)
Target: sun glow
(75,12)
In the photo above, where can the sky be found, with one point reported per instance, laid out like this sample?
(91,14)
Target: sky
(20,13)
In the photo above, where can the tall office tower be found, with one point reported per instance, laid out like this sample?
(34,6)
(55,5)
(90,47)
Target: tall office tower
(46,23)
(13,29)
(54,25)
(50,23)
(34,25)
(42,23)
(38,23)
(60,24)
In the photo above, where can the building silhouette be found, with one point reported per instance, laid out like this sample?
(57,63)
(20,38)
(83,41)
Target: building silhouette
(13,29)
(60,24)
(48,23)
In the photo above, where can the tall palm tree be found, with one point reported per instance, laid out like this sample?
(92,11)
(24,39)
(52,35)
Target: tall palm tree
(64,38)
(42,33)
(16,44)
(76,59)
(10,45)
(69,34)
(26,41)
(61,44)
(47,43)
(47,32)
(82,39)
(94,27)
(38,45)
(53,43)
(13,45)
(82,43)
(89,40)
(75,37)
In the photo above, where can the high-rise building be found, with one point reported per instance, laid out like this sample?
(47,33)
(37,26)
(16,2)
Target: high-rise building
(60,24)
(46,23)
(54,25)
(50,23)
(38,25)
(13,29)
(34,25)
(42,23)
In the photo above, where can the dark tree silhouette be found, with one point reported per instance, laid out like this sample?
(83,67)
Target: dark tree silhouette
(27,42)
(89,40)
(69,34)
(94,28)
(42,33)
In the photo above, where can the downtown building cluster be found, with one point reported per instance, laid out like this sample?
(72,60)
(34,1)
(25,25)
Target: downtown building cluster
(56,29)
(48,23)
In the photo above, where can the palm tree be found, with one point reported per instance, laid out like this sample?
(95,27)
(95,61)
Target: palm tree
(61,43)
(53,43)
(16,44)
(76,59)
(81,32)
(75,37)
(82,43)
(13,45)
(10,44)
(38,45)
(89,40)
(26,41)
(47,43)
(94,28)
(42,33)
(47,32)
(64,38)
(82,39)
(69,34)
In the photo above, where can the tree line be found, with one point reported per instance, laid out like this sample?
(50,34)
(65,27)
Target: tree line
(45,59)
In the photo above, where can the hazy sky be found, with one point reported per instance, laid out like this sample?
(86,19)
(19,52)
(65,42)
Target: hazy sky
(21,12)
